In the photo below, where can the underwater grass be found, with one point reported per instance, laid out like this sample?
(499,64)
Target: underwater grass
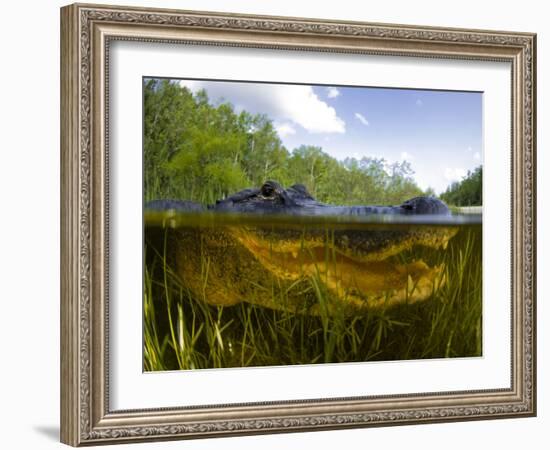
(183,332)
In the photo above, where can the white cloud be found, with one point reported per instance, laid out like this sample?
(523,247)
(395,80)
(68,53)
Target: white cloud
(477,156)
(454,174)
(406,156)
(193,85)
(362,119)
(284,103)
(285,129)
(332,92)
(469,148)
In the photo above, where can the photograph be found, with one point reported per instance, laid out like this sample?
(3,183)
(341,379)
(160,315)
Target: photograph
(284,223)
(294,224)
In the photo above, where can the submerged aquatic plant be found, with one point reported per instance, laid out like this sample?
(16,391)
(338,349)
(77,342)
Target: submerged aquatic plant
(182,331)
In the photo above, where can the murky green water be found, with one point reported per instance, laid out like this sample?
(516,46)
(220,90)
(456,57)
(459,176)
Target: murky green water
(244,290)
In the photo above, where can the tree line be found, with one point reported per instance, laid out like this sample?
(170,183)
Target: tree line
(195,150)
(467,192)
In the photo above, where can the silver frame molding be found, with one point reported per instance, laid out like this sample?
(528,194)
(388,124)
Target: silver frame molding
(86,32)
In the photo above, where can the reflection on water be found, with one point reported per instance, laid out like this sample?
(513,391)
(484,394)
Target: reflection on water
(175,218)
(313,269)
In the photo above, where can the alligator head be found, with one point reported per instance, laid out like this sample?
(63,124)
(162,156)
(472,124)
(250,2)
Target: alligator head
(273,198)
(279,265)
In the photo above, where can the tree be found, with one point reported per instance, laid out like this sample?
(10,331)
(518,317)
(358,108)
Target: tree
(467,192)
(308,165)
(195,150)
(265,156)
(169,110)
(207,165)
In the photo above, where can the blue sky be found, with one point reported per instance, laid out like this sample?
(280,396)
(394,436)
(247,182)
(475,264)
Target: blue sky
(438,132)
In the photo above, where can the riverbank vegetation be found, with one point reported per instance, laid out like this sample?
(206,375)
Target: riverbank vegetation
(199,151)
(467,192)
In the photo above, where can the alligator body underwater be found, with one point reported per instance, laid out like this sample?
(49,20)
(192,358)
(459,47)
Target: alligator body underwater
(305,267)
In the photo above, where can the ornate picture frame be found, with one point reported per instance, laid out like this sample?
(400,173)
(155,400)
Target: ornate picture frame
(87,32)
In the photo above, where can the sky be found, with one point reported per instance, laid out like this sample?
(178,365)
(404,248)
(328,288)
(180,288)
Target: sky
(438,132)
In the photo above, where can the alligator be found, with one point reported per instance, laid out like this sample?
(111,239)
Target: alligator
(305,266)
(272,198)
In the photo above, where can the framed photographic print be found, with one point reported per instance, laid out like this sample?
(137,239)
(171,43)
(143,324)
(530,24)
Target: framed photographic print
(277,224)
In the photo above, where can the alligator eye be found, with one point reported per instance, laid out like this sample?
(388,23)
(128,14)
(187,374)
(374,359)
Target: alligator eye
(267,190)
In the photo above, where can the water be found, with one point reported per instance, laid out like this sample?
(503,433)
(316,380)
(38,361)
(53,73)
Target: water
(227,290)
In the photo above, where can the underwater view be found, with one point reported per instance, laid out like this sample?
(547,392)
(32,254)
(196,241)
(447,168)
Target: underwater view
(257,255)
(230,291)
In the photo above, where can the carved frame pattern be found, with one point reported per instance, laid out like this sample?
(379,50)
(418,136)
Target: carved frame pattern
(85,416)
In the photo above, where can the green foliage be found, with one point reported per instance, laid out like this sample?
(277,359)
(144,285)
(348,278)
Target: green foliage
(167,120)
(198,151)
(467,192)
